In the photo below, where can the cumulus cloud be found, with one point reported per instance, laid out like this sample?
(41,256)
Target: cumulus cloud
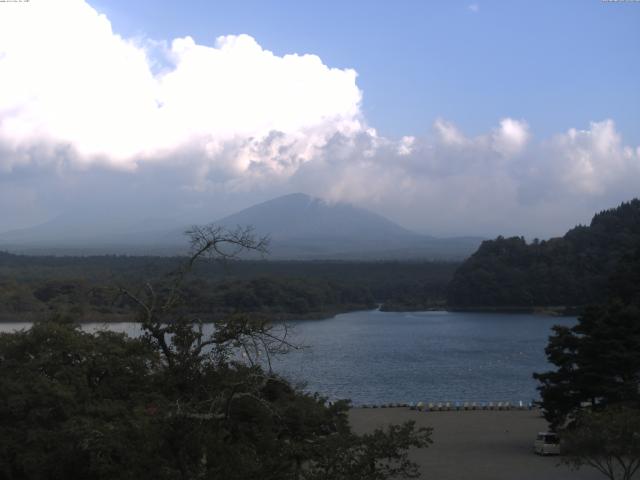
(449,133)
(594,161)
(94,121)
(510,137)
(499,182)
(70,83)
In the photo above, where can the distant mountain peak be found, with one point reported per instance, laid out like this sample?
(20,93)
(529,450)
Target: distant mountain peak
(300,227)
(297,196)
(298,215)
(298,199)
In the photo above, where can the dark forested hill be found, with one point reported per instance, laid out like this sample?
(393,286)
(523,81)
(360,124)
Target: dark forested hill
(570,270)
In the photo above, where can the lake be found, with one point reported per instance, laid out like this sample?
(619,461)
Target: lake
(381,357)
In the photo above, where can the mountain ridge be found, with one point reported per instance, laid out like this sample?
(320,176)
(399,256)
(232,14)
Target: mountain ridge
(300,227)
(571,270)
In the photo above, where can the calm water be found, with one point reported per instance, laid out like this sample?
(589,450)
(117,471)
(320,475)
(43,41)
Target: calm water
(376,357)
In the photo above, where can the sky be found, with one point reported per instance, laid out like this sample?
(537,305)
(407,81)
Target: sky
(450,118)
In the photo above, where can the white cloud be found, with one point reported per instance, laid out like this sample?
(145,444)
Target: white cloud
(449,133)
(500,182)
(510,137)
(69,81)
(595,161)
(90,119)
(406,144)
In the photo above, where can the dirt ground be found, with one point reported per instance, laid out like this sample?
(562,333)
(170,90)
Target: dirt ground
(476,445)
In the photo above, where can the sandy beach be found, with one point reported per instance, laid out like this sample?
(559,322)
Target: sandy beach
(476,445)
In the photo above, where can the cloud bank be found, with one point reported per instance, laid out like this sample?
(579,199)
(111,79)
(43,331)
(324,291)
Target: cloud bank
(70,85)
(91,120)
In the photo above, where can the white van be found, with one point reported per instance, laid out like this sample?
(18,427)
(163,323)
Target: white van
(547,443)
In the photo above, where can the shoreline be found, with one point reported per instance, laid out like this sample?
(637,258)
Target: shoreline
(546,310)
(32,317)
(551,311)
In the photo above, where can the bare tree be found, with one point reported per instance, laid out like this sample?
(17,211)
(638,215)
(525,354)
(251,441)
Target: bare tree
(179,335)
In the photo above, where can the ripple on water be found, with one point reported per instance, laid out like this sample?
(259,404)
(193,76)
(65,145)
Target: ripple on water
(381,357)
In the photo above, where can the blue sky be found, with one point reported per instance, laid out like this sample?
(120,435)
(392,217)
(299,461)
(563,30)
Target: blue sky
(557,64)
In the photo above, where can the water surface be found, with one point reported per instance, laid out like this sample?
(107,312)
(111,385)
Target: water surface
(375,357)
(380,357)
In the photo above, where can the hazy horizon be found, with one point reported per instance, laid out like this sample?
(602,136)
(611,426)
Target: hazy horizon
(127,222)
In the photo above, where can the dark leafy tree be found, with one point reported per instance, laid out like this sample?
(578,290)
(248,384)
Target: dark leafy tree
(593,397)
(598,363)
(32,286)
(597,360)
(608,441)
(175,403)
(572,270)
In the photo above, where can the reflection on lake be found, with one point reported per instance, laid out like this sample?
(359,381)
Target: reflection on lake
(376,357)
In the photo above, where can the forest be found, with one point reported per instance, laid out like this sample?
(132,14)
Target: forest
(566,272)
(86,288)
(176,404)
(569,271)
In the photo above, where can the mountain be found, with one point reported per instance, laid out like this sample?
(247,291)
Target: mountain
(299,226)
(303,227)
(572,270)
(301,216)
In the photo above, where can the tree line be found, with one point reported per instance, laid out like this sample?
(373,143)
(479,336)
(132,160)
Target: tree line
(572,270)
(86,287)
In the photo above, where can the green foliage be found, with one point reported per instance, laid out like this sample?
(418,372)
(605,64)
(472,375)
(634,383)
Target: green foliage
(77,405)
(569,271)
(72,403)
(593,397)
(82,286)
(597,360)
(174,404)
(277,296)
(376,456)
(608,441)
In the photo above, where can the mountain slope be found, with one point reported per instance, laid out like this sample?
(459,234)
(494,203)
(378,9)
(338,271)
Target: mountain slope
(300,227)
(303,227)
(570,270)
(301,216)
